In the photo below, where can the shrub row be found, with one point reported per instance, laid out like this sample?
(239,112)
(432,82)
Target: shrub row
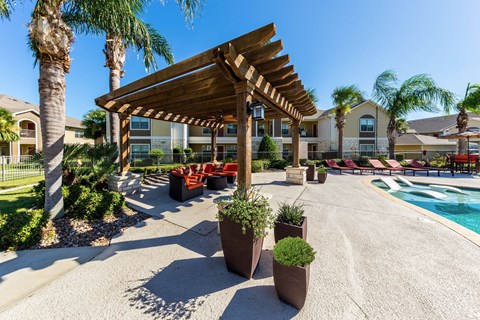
(22,229)
(156,169)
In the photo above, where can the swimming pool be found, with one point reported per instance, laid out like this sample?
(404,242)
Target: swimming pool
(463,209)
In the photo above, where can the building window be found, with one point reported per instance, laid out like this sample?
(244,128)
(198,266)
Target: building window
(78,134)
(140,151)
(206,130)
(231,128)
(367,125)
(285,129)
(207,147)
(261,130)
(367,150)
(139,123)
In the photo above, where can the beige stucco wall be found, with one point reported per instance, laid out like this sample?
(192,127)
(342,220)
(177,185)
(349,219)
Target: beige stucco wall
(70,137)
(160,128)
(196,131)
(352,128)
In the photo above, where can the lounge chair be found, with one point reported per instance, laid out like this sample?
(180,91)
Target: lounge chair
(229,170)
(394,186)
(183,188)
(334,166)
(378,165)
(395,164)
(353,165)
(435,187)
(418,165)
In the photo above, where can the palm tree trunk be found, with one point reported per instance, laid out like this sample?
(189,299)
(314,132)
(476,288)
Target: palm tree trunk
(114,81)
(462,124)
(341,120)
(51,86)
(392,137)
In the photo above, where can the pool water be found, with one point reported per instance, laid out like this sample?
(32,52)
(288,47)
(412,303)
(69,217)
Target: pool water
(463,209)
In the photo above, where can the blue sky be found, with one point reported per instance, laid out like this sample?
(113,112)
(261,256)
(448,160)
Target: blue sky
(330,42)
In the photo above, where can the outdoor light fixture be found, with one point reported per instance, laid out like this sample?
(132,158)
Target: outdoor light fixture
(257,110)
(303,132)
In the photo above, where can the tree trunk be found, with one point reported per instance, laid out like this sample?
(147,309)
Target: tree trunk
(392,137)
(51,39)
(340,120)
(114,119)
(462,124)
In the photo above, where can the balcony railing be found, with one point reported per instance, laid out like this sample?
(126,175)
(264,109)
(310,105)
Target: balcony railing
(27,133)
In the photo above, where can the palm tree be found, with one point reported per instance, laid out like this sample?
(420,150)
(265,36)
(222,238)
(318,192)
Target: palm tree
(95,124)
(418,93)
(7,126)
(470,103)
(50,38)
(312,94)
(344,98)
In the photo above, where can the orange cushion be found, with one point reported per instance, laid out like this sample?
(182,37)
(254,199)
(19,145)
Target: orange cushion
(194,185)
(230,167)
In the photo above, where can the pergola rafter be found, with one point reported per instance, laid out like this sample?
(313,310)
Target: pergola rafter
(213,87)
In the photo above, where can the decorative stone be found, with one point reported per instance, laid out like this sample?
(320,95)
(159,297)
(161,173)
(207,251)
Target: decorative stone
(297,175)
(125,184)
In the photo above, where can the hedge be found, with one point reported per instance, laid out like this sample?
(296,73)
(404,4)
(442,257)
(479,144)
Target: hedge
(22,229)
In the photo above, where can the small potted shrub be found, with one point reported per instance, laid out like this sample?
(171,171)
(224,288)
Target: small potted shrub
(244,221)
(291,270)
(290,222)
(311,170)
(321,174)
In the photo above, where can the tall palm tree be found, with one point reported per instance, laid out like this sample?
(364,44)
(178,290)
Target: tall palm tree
(470,103)
(418,93)
(50,37)
(95,124)
(344,98)
(7,126)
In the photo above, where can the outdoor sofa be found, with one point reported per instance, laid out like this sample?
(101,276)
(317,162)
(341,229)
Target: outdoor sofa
(183,187)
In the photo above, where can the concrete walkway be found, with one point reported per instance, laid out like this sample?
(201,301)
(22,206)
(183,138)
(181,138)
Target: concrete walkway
(376,259)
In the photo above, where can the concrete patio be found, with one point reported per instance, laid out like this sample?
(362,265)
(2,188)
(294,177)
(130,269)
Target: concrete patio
(376,259)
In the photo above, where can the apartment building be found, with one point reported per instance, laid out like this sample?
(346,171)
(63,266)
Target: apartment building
(27,116)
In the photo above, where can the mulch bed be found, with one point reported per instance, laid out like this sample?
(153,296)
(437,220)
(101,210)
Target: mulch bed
(67,232)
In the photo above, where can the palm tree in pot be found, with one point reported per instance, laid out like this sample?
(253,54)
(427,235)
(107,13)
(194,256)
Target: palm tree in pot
(291,270)
(290,222)
(244,221)
(321,174)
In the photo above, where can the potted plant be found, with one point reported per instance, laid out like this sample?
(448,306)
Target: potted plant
(290,222)
(291,270)
(321,174)
(244,221)
(311,170)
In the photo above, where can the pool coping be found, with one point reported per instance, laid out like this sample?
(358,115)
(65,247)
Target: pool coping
(461,230)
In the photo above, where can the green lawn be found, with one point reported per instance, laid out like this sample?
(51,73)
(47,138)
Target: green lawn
(14,200)
(21,182)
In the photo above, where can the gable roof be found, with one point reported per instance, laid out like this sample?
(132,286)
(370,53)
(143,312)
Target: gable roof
(15,105)
(437,124)
(326,113)
(414,139)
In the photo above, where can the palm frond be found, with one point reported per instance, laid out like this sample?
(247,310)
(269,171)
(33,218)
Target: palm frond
(385,89)
(471,102)
(7,126)
(345,97)
(6,7)
(190,8)
(312,94)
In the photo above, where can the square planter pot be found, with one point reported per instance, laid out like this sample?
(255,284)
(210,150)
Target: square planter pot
(283,230)
(241,251)
(311,172)
(322,177)
(291,283)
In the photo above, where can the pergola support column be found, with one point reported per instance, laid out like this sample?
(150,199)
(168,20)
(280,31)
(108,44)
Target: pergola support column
(296,143)
(124,144)
(214,145)
(244,91)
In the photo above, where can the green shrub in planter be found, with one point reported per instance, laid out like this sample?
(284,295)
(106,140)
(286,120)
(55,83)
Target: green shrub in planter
(321,169)
(293,252)
(279,164)
(257,166)
(22,229)
(291,213)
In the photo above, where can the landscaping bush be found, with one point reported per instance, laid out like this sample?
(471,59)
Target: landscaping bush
(189,155)
(177,155)
(21,229)
(257,166)
(291,214)
(164,168)
(228,160)
(267,149)
(399,157)
(293,252)
(156,155)
(279,164)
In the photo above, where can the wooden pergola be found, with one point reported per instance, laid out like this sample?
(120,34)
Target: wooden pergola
(213,88)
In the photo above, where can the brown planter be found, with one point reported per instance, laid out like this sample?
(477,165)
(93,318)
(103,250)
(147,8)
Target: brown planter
(283,230)
(241,251)
(311,172)
(322,177)
(291,283)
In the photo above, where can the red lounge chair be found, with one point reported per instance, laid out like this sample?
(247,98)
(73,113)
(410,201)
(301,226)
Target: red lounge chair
(353,165)
(332,164)
(378,165)
(418,165)
(395,164)
(229,171)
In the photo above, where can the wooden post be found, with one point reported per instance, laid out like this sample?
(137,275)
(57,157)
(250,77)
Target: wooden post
(124,144)
(244,91)
(214,145)
(296,142)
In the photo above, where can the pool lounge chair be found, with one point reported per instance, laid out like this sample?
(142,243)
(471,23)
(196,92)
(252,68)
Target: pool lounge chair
(395,164)
(394,186)
(333,165)
(435,187)
(418,165)
(353,165)
(378,165)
